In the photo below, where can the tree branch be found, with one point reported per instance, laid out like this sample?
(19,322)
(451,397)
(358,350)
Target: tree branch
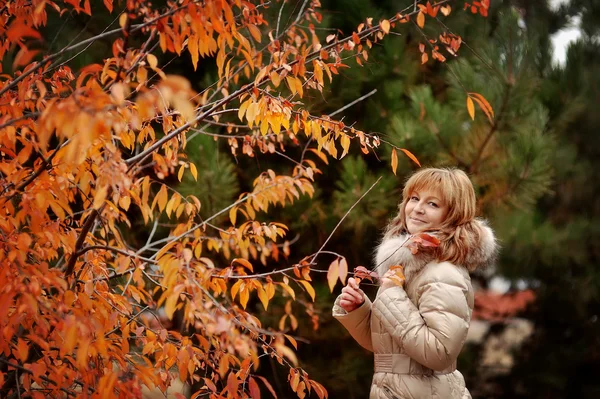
(314,258)
(80,240)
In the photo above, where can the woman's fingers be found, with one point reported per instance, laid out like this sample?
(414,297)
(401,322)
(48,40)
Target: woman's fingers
(352,294)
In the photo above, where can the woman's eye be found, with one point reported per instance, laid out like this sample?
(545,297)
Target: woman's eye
(414,198)
(433,204)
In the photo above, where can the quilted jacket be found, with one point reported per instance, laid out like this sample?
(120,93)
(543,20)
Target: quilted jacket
(417,332)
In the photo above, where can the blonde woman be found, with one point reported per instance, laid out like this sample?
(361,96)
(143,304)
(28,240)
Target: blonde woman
(417,329)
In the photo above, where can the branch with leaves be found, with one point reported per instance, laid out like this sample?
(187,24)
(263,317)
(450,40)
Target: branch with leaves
(88,152)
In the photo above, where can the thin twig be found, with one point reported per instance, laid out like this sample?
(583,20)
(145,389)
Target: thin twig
(314,258)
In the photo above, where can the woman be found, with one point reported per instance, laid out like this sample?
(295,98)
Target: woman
(417,329)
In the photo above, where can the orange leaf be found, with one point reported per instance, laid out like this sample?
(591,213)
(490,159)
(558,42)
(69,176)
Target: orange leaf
(268,385)
(292,341)
(343,270)
(232,384)
(471,107)
(254,389)
(255,32)
(19,30)
(333,273)
(484,104)
(23,350)
(385,26)
(24,57)
(394,160)
(294,380)
(411,156)
(109,5)
(421,19)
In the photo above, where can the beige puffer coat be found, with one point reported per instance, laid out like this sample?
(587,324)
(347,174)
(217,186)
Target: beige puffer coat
(416,333)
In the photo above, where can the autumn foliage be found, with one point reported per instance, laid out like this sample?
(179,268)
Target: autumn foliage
(84,152)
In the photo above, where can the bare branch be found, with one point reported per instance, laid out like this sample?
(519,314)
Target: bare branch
(314,258)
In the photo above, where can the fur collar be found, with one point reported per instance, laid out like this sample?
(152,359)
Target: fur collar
(394,251)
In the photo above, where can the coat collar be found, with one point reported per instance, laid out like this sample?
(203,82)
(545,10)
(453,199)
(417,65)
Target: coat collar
(395,251)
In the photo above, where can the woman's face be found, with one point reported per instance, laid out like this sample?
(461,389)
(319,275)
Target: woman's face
(424,211)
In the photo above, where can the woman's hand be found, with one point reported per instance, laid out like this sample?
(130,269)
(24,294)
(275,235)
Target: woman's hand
(352,296)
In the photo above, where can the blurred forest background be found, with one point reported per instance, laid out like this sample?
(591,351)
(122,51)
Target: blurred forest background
(536,332)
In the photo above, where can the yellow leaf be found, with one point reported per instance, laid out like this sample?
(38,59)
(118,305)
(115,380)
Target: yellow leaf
(152,60)
(124,202)
(471,108)
(421,19)
(171,305)
(275,78)
(287,352)
(233,215)
(289,290)
(180,173)
(394,160)
(262,295)
(309,289)
(299,87)
(251,113)
(244,263)
(162,198)
(333,273)
(235,288)
(194,171)
(345,141)
(165,249)
(411,156)
(291,81)
(244,296)
(243,108)
(385,26)
(123,20)
(260,76)
(100,197)
(282,322)
(318,72)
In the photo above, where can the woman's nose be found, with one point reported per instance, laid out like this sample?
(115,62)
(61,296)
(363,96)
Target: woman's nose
(419,208)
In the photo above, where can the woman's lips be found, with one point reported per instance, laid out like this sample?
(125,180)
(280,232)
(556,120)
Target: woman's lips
(417,220)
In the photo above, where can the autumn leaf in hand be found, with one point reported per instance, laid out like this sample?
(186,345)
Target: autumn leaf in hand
(423,242)
(361,272)
(397,275)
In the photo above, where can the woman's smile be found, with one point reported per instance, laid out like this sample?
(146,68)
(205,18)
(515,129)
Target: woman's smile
(424,211)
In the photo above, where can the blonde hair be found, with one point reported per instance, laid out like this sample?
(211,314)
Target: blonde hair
(459,232)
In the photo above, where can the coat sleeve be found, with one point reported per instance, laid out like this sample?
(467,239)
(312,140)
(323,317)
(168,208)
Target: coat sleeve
(357,322)
(434,332)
